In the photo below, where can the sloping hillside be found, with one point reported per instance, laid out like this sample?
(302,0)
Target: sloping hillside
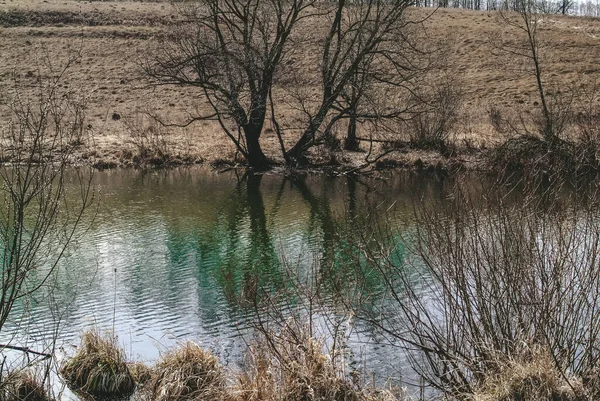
(115,37)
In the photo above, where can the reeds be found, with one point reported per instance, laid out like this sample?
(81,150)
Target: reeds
(98,367)
(142,374)
(292,366)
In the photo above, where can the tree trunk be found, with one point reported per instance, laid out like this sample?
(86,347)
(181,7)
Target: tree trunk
(351,143)
(296,153)
(256,157)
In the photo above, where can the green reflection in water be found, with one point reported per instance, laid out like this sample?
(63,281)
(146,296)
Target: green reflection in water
(170,253)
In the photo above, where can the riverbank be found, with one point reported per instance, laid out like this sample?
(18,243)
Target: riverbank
(114,39)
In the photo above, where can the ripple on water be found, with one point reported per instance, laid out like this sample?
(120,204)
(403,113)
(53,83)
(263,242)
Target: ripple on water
(184,247)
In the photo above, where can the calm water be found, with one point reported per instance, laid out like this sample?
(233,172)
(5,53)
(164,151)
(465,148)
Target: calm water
(169,253)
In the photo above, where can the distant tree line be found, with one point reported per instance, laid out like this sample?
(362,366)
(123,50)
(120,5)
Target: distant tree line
(588,8)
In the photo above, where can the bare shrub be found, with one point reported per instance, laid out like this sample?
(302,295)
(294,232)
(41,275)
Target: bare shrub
(587,125)
(497,120)
(150,139)
(494,273)
(40,216)
(98,367)
(558,117)
(569,150)
(531,155)
(291,365)
(436,116)
(530,149)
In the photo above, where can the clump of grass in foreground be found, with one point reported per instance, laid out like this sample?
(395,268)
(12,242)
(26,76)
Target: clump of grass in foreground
(142,374)
(23,386)
(98,367)
(533,377)
(188,373)
(293,367)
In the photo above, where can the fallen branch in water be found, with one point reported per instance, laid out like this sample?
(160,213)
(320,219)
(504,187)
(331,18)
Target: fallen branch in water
(26,350)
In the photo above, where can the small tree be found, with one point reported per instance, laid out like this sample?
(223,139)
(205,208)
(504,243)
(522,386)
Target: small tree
(37,220)
(539,144)
(527,23)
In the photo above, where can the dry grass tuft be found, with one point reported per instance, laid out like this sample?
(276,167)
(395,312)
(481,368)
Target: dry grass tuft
(534,378)
(23,386)
(99,367)
(142,374)
(188,373)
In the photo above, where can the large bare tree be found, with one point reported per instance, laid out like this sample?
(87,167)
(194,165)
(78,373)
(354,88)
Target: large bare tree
(232,50)
(365,48)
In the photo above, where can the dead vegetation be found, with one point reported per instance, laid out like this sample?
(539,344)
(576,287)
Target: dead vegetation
(188,373)
(23,386)
(532,376)
(297,369)
(506,306)
(99,367)
(292,366)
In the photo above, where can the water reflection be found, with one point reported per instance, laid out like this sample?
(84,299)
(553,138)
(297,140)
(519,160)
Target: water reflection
(171,253)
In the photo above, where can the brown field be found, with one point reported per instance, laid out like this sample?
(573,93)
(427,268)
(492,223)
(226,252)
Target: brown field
(115,37)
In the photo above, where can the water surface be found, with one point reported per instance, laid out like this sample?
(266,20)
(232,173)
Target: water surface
(169,254)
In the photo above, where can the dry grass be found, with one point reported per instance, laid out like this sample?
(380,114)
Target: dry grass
(23,386)
(188,373)
(98,367)
(292,366)
(295,371)
(141,373)
(533,377)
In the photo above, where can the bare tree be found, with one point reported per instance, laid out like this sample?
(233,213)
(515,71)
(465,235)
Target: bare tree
(539,139)
(366,44)
(230,50)
(553,113)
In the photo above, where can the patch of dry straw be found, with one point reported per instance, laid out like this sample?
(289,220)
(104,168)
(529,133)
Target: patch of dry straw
(533,377)
(23,386)
(188,373)
(98,367)
(294,367)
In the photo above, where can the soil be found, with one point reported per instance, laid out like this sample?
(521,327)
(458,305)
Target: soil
(115,39)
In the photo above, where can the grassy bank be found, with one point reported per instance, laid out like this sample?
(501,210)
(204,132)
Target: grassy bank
(299,369)
(296,369)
